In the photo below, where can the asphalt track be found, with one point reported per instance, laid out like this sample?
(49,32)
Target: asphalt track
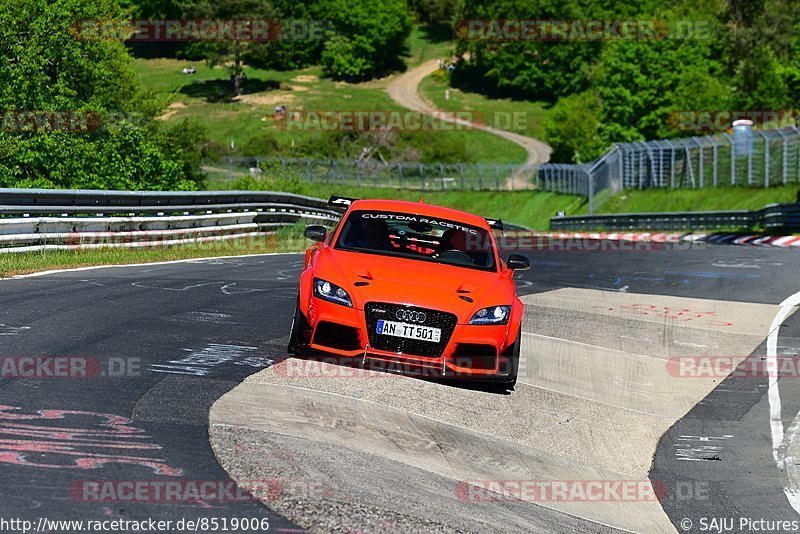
(193,331)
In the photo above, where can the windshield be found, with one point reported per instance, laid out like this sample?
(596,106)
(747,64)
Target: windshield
(418,237)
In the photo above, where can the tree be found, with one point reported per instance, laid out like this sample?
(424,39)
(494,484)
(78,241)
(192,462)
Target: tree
(573,126)
(47,66)
(641,82)
(366,36)
(231,52)
(44,64)
(757,44)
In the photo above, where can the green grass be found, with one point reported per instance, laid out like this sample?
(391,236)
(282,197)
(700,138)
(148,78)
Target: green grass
(285,240)
(518,116)
(534,209)
(424,44)
(720,198)
(531,209)
(204,98)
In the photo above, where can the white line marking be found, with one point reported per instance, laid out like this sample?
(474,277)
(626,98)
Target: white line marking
(776,425)
(202,362)
(741,265)
(12,330)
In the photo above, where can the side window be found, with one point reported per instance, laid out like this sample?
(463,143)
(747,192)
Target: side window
(331,232)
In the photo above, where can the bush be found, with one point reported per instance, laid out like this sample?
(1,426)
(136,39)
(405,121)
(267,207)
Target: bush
(45,67)
(572,128)
(367,37)
(131,160)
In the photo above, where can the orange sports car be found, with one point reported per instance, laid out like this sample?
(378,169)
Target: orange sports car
(410,287)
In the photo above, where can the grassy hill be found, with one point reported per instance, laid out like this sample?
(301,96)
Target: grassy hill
(244,127)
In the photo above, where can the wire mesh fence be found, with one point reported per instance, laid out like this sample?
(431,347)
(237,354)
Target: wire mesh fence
(751,158)
(755,159)
(761,158)
(397,175)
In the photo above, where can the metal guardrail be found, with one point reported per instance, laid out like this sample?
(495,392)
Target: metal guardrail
(37,219)
(775,217)
(762,158)
(780,216)
(48,219)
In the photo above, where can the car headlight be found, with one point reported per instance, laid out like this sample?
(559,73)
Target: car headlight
(491,315)
(331,292)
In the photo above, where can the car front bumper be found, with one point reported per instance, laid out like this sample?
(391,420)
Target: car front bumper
(472,352)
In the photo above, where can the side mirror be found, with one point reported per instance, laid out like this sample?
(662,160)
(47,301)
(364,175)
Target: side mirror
(517,262)
(316,233)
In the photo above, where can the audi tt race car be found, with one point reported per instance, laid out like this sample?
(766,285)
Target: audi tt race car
(410,287)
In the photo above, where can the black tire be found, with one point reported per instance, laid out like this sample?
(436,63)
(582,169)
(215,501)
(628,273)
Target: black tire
(511,381)
(297,345)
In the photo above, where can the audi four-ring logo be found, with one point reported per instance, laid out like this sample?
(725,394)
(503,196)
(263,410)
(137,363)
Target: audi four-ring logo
(411,315)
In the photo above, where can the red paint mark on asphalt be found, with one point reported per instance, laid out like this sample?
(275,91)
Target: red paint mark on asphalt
(96,439)
(670,312)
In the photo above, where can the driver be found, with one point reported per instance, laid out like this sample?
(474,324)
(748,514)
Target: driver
(452,239)
(376,235)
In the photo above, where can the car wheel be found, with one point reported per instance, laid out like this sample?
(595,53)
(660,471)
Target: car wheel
(297,344)
(511,381)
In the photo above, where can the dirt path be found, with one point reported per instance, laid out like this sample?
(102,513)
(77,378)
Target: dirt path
(404,91)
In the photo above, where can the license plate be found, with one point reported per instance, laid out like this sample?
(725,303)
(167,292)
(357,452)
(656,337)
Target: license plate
(409,331)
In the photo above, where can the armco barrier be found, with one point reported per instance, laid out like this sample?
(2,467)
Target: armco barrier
(783,217)
(41,219)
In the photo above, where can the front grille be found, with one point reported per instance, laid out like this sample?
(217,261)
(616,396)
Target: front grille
(475,356)
(337,336)
(436,319)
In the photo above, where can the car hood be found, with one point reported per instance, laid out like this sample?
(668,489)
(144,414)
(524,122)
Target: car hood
(376,278)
